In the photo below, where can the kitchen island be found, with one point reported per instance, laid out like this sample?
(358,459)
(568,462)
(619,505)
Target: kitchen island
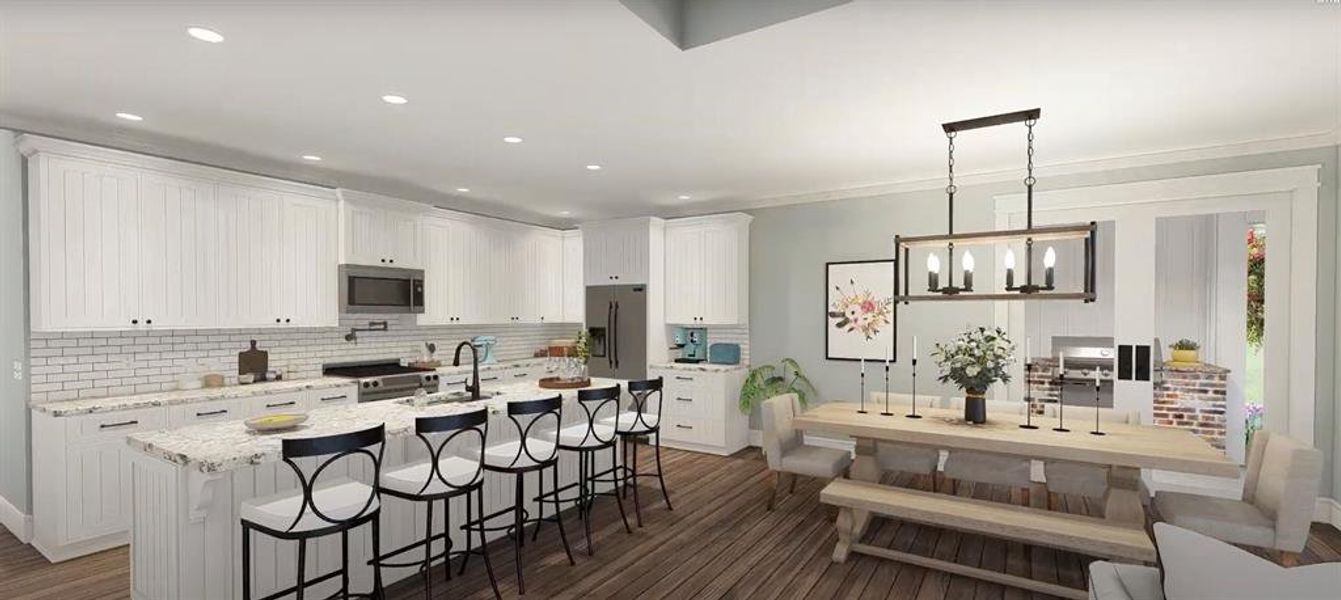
(189,483)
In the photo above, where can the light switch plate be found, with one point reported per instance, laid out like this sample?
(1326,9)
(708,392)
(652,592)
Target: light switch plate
(18,370)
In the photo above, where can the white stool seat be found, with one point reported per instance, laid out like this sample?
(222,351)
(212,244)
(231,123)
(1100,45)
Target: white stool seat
(410,478)
(509,455)
(627,421)
(342,499)
(577,436)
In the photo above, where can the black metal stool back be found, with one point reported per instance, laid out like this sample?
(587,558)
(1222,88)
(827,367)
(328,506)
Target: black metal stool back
(532,416)
(472,428)
(336,447)
(598,404)
(647,400)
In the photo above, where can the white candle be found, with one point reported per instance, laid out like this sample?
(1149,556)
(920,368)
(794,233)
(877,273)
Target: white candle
(914,347)
(1061,364)
(863,366)
(1027,350)
(1096,378)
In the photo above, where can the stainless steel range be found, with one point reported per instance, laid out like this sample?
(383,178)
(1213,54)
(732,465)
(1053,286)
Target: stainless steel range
(384,379)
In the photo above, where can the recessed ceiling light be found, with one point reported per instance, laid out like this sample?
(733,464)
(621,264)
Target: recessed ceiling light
(564,213)
(684,197)
(512,139)
(463,190)
(205,35)
(129,116)
(593,167)
(311,157)
(394,99)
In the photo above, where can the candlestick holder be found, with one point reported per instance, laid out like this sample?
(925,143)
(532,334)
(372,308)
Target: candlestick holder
(914,415)
(1096,411)
(886,412)
(1028,397)
(862,410)
(1061,404)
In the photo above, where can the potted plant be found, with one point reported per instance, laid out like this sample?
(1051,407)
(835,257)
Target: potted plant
(975,360)
(1185,351)
(767,381)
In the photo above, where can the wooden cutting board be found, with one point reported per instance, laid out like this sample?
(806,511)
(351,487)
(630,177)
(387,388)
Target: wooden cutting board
(253,361)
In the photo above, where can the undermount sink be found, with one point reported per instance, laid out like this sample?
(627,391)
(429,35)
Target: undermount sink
(448,398)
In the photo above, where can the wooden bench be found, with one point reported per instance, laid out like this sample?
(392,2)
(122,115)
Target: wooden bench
(1078,533)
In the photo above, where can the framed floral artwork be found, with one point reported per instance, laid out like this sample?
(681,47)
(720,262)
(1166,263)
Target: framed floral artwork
(859,310)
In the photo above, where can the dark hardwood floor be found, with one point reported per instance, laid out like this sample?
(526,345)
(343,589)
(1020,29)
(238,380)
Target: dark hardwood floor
(719,542)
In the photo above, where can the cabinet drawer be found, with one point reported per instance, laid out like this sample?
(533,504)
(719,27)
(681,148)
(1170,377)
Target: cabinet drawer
(333,397)
(118,424)
(280,403)
(687,403)
(683,428)
(219,410)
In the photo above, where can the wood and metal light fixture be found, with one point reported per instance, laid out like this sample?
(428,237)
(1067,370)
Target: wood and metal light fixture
(1029,237)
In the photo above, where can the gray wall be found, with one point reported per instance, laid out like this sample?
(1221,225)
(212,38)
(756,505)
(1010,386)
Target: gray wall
(790,244)
(13,329)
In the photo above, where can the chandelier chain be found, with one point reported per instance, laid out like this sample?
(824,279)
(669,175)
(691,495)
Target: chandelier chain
(950,163)
(1029,167)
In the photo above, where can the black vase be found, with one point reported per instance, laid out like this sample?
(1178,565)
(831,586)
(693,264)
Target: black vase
(975,408)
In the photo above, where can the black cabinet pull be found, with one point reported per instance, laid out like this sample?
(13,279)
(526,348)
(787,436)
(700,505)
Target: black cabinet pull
(520,375)
(684,426)
(494,378)
(334,398)
(134,321)
(683,399)
(683,378)
(211,413)
(120,424)
(279,404)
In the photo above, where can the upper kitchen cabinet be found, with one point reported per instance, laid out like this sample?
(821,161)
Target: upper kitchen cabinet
(125,241)
(618,252)
(707,270)
(574,286)
(379,231)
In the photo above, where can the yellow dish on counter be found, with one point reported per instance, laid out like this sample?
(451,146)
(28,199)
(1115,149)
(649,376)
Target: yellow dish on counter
(275,422)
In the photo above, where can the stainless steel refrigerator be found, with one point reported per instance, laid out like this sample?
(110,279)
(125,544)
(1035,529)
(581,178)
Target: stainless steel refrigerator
(617,326)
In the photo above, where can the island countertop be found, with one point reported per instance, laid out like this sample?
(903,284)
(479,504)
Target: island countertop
(226,445)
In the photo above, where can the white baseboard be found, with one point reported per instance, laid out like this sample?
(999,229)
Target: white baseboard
(15,521)
(1328,511)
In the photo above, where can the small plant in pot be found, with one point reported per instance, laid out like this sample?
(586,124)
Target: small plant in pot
(975,360)
(1185,351)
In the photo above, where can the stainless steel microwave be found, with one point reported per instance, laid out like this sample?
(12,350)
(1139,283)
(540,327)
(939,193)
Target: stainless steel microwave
(381,290)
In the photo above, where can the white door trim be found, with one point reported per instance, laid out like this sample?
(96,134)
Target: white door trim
(1299,183)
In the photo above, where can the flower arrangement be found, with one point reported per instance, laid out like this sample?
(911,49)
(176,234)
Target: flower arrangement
(1186,344)
(860,311)
(975,359)
(1252,422)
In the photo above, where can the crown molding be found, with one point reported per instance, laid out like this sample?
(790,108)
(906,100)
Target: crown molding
(1284,144)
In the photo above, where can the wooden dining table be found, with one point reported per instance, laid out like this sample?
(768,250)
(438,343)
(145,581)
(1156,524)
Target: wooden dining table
(1124,449)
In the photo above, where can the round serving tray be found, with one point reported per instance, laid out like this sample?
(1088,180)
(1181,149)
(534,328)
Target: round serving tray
(554,383)
(275,422)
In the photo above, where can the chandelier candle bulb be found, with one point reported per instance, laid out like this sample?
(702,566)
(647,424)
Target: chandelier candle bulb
(1010,268)
(967,263)
(914,347)
(1049,261)
(933,272)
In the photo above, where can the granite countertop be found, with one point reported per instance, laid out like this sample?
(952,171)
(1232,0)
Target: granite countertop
(224,445)
(84,406)
(702,367)
(1178,367)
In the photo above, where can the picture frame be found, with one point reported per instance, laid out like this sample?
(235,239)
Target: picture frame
(860,315)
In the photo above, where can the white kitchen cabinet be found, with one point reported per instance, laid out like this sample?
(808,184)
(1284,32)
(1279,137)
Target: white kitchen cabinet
(700,410)
(124,241)
(379,231)
(574,286)
(540,285)
(707,270)
(616,252)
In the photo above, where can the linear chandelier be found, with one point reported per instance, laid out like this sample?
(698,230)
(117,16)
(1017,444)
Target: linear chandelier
(1030,288)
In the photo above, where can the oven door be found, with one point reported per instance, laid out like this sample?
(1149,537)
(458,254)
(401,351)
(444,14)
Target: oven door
(381,290)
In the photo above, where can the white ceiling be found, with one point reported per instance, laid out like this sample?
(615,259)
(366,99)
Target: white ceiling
(848,97)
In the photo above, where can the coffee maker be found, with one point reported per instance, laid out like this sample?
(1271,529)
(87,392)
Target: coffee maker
(693,344)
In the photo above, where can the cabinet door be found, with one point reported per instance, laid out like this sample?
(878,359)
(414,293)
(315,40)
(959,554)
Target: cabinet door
(595,270)
(574,285)
(720,281)
(435,240)
(97,488)
(365,242)
(401,239)
(309,273)
(632,257)
(549,279)
(86,253)
(684,274)
(179,238)
(251,246)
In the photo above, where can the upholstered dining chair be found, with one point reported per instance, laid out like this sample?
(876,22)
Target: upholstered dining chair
(1280,489)
(988,467)
(1082,479)
(786,451)
(907,458)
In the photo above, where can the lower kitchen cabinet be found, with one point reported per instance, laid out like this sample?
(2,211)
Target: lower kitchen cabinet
(81,469)
(700,410)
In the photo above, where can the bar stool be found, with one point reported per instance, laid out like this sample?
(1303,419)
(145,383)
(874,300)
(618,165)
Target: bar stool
(312,512)
(586,439)
(640,420)
(443,476)
(526,454)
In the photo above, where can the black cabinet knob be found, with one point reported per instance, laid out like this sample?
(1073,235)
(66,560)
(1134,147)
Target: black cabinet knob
(148,321)
(391,260)
(286,320)
(134,321)
(276,320)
